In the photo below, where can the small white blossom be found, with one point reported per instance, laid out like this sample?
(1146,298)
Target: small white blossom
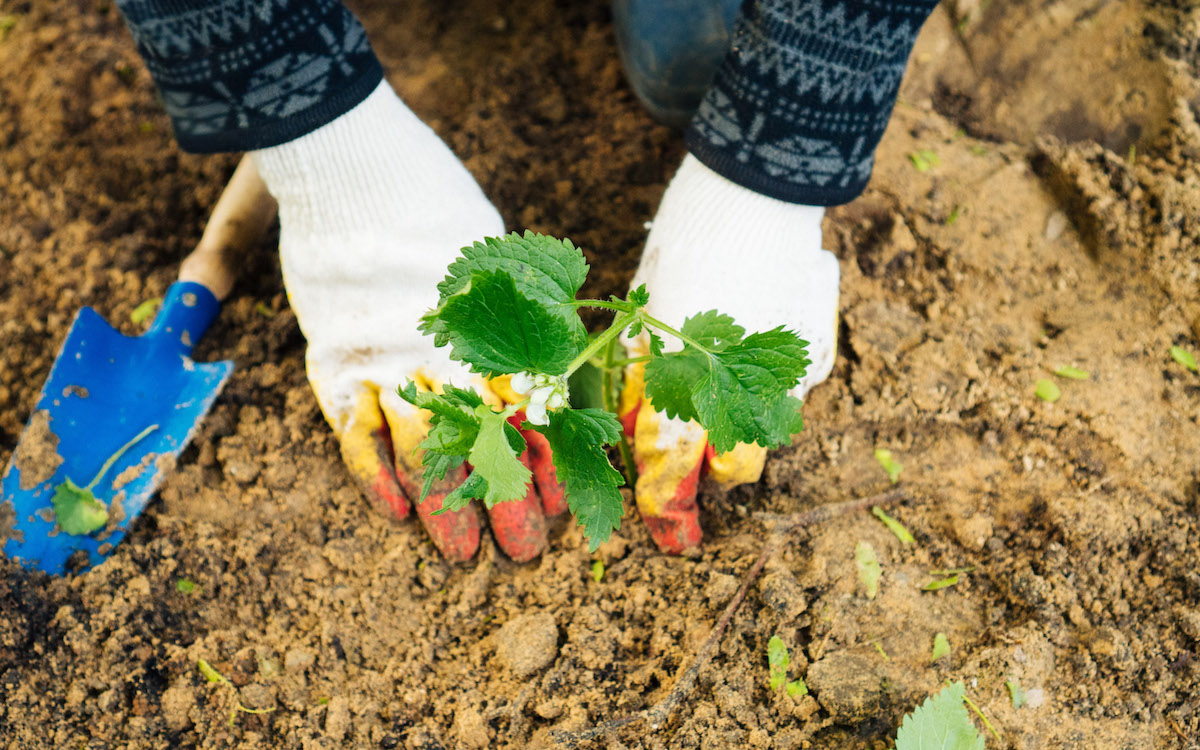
(544,392)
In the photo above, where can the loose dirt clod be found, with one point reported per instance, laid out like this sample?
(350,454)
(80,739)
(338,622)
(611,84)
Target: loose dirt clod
(37,454)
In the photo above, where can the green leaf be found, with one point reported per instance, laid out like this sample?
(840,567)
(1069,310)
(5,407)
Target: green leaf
(1185,358)
(493,327)
(77,510)
(1047,390)
(778,661)
(145,310)
(940,723)
(895,526)
(712,330)
(545,269)
(671,378)
(796,689)
(598,571)
(184,586)
(1072,373)
(496,462)
(941,584)
(209,673)
(889,464)
(924,159)
(634,329)
(474,487)
(954,214)
(869,571)
(453,428)
(1016,691)
(656,344)
(941,647)
(577,438)
(743,396)
(639,296)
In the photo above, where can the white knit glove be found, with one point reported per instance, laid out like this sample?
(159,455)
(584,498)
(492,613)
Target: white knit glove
(373,207)
(717,245)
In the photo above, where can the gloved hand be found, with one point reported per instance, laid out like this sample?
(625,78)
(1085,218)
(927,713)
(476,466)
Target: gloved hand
(717,245)
(373,207)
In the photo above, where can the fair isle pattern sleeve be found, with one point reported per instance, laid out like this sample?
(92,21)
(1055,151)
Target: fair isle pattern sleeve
(239,75)
(799,104)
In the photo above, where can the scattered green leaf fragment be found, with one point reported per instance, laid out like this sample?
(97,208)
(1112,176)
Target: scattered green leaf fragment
(940,584)
(924,159)
(145,310)
(893,525)
(941,647)
(943,572)
(778,661)
(598,571)
(984,719)
(1016,691)
(868,568)
(796,689)
(209,673)
(940,723)
(76,508)
(7,21)
(954,214)
(184,586)
(1047,390)
(1072,373)
(879,647)
(889,464)
(1131,157)
(323,701)
(261,308)
(978,150)
(1185,358)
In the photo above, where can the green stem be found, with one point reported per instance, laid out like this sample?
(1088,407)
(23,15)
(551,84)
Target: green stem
(986,723)
(618,306)
(609,396)
(117,456)
(619,324)
(677,334)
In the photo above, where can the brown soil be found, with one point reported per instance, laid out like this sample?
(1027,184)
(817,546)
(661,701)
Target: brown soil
(1039,240)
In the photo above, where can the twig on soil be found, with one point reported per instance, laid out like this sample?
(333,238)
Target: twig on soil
(659,712)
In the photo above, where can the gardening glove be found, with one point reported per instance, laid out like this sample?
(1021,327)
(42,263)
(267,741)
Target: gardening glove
(717,245)
(373,207)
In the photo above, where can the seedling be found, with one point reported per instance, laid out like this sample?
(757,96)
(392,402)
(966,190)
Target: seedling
(146,310)
(508,307)
(942,583)
(76,508)
(1072,373)
(213,676)
(1185,358)
(868,568)
(941,647)
(778,661)
(598,571)
(893,525)
(184,586)
(1016,691)
(889,464)
(940,722)
(1047,390)
(924,159)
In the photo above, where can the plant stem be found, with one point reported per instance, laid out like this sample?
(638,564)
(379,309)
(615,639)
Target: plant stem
(986,723)
(609,397)
(651,321)
(116,456)
(618,306)
(619,324)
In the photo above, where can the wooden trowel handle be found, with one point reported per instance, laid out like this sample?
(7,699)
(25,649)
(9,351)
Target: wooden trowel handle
(239,220)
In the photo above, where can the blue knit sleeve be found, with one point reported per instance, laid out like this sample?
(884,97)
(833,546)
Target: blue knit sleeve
(800,103)
(237,75)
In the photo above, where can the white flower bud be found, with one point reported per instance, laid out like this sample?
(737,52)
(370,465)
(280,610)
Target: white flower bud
(536,414)
(540,395)
(556,400)
(522,383)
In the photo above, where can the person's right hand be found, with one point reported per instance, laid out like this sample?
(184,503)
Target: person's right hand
(373,207)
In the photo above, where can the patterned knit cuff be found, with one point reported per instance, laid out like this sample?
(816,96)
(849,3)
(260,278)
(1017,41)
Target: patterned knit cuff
(800,103)
(239,75)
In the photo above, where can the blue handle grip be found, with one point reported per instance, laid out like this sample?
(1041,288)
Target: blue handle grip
(187,312)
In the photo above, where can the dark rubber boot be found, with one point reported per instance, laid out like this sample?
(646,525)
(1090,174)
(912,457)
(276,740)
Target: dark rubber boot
(671,49)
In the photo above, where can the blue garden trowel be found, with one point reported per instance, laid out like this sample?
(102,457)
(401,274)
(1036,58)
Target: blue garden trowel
(109,396)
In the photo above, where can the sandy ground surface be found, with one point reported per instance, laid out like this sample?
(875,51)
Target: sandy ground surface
(1058,227)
